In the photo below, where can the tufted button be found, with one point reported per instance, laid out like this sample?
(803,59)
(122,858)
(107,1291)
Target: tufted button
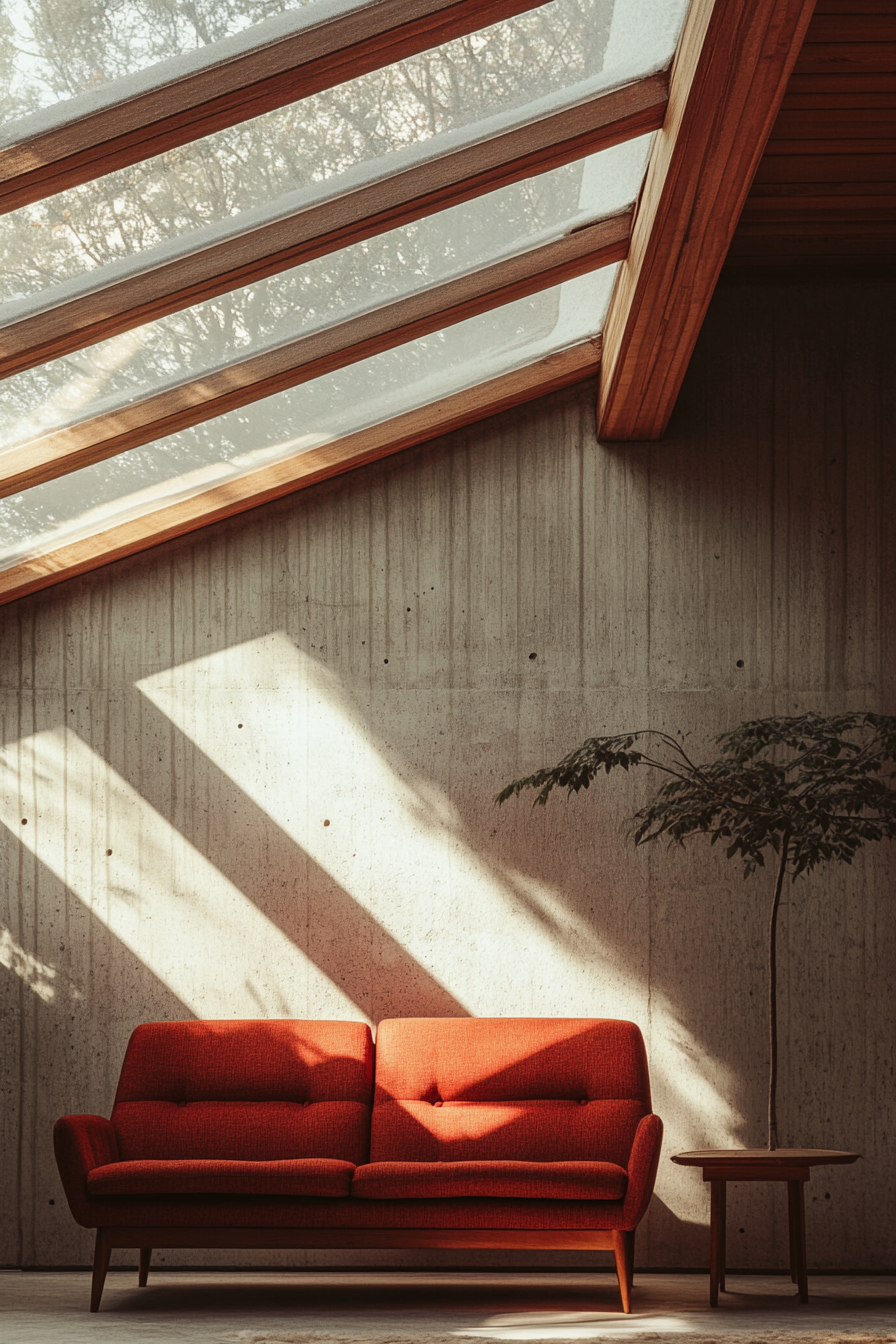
(583,1101)
(437,1103)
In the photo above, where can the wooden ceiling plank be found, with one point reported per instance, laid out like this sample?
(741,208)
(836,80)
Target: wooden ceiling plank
(840,58)
(851,7)
(303,469)
(312,356)
(826,168)
(826,190)
(853,27)
(728,80)
(339,220)
(842,145)
(835,101)
(849,82)
(833,123)
(774,211)
(221,95)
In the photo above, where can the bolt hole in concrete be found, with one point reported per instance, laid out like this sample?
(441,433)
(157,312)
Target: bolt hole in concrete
(532,655)
(740,662)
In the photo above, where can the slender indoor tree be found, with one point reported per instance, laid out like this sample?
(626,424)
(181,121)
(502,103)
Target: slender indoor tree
(809,789)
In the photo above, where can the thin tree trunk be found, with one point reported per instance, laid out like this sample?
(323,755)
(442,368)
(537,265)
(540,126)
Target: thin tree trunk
(773,1000)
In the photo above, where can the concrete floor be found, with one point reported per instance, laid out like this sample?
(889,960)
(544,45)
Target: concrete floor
(45,1307)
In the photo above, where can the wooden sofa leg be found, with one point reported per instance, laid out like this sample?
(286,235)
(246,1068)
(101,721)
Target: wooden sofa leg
(101,1257)
(624,1250)
(145,1257)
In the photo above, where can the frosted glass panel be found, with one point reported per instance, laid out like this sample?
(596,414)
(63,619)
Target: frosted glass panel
(331,289)
(97,497)
(216,181)
(55,50)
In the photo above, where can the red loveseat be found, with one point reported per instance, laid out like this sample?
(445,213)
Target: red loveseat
(478,1132)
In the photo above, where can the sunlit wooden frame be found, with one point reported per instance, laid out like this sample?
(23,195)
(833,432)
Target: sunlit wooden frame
(102,308)
(230,82)
(294,473)
(313,355)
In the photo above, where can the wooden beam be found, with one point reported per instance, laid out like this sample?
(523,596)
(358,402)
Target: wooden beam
(282,478)
(336,219)
(313,355)
(729,77)
(224,92)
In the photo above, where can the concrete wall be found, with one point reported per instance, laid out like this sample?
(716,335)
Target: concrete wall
(250,773)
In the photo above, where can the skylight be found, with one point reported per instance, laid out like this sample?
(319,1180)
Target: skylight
(320,273)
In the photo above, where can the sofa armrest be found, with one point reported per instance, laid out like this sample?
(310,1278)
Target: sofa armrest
(82,1142)
(642,1168)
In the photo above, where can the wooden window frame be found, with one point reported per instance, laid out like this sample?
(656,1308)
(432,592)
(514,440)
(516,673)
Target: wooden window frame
(727,82)
(314,355)
(271,482)
(434,182)
(728,79)
(227,85)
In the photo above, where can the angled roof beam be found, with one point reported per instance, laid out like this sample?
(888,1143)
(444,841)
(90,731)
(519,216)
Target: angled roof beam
(230,81)
(313,355)
(363,202)
(728,79)
(187,514)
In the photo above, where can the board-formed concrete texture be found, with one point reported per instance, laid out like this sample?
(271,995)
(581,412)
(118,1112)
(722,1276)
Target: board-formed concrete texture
(251,773)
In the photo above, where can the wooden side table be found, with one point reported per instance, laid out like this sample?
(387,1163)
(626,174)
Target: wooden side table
(792,1165)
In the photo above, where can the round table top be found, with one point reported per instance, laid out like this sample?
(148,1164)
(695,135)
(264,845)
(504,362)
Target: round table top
(787,1157)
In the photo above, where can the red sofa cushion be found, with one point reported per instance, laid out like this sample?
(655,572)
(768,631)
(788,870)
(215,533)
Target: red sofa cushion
(306,1176)
(266,1131)
(526,1089)
(267,1090)
(526,1131)
(516,1180)
(248,1061)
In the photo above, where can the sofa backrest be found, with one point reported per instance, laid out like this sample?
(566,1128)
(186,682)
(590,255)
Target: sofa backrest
(263,1090)
(532,1089)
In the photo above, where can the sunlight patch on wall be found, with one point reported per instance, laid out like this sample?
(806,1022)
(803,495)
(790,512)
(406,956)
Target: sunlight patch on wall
(163,900)
(36,974)
(281,727)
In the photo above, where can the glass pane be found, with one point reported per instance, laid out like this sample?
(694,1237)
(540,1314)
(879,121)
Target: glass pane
(331,289)
(55,50)
(216,182)
(303,418)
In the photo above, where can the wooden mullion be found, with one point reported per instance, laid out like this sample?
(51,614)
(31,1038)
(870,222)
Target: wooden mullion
(728,80)
(383,204)
(271,482)
(313,355)
(235,90)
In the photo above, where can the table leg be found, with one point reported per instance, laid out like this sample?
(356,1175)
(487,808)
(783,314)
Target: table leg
(791,1228)
(716,1241)
(798,1237)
